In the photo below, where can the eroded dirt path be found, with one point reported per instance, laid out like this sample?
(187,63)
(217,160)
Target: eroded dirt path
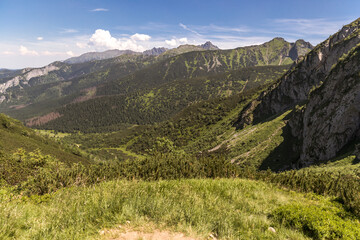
(126,233)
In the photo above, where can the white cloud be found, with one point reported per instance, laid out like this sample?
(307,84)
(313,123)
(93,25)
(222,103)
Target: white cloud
(39,38)
(183,40)
(102,39)
(140,37)
(175,42)
(171,43)
(99,10)
(24,51)
(70,53)
(189,29)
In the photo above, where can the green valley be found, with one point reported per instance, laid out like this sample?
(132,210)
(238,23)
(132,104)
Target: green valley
(191,142)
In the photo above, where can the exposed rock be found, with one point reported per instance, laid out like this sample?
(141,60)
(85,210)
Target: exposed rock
(326,83)
(26,76)
(209,46)
(331,118)
(155,51)
(299,48)
(294,87)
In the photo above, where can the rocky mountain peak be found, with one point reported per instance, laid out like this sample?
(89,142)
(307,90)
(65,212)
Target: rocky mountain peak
(299,48)
(278,39)
(324,82)
(209,46)
(155,51)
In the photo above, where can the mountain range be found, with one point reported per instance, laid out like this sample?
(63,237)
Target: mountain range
(275,126)
(132,78)
(93,56)
(106,93)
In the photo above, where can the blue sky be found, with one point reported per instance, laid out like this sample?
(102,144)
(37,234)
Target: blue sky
(37,32)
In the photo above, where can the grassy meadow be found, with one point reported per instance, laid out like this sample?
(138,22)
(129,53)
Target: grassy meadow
(225,208)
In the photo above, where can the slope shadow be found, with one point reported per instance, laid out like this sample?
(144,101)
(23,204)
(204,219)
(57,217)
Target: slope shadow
(282,157)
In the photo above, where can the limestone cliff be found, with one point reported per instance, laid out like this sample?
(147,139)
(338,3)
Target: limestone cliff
(325,84)
(309,71)
(331,118)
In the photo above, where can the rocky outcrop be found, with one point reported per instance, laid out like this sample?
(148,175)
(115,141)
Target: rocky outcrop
(309,71)
(331,118)
(209,46)
(155,51)
(26,76)
(299,48)
(325,88)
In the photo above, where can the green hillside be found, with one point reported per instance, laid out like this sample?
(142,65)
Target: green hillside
(68,83)
(130,76)
(160,101)
(14,136)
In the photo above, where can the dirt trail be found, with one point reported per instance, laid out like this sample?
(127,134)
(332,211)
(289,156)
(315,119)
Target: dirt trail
(131,234)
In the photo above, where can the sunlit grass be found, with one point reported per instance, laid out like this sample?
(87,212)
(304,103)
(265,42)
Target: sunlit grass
(226,208)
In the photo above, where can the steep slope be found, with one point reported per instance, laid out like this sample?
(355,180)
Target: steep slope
(13,135)
(209,46)
(325,84)
(118,76)
(160,102)
(311,70)
(331,118)
(37,89)
(6,74)
(203,63)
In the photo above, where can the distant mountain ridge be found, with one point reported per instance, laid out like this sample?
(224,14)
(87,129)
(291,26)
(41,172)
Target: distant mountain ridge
(156,51)
(39,92)
(91,56)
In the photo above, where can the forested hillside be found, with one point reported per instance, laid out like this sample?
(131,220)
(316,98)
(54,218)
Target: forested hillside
(158,103)
(150,89)
(257,142)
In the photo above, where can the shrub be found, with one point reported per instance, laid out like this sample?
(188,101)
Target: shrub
(319,222)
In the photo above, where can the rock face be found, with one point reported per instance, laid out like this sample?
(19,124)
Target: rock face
(357,151)
(331,118)
(155,51)
(299,49)
(209,46)
(24,78)
(294,87)
(326,83)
